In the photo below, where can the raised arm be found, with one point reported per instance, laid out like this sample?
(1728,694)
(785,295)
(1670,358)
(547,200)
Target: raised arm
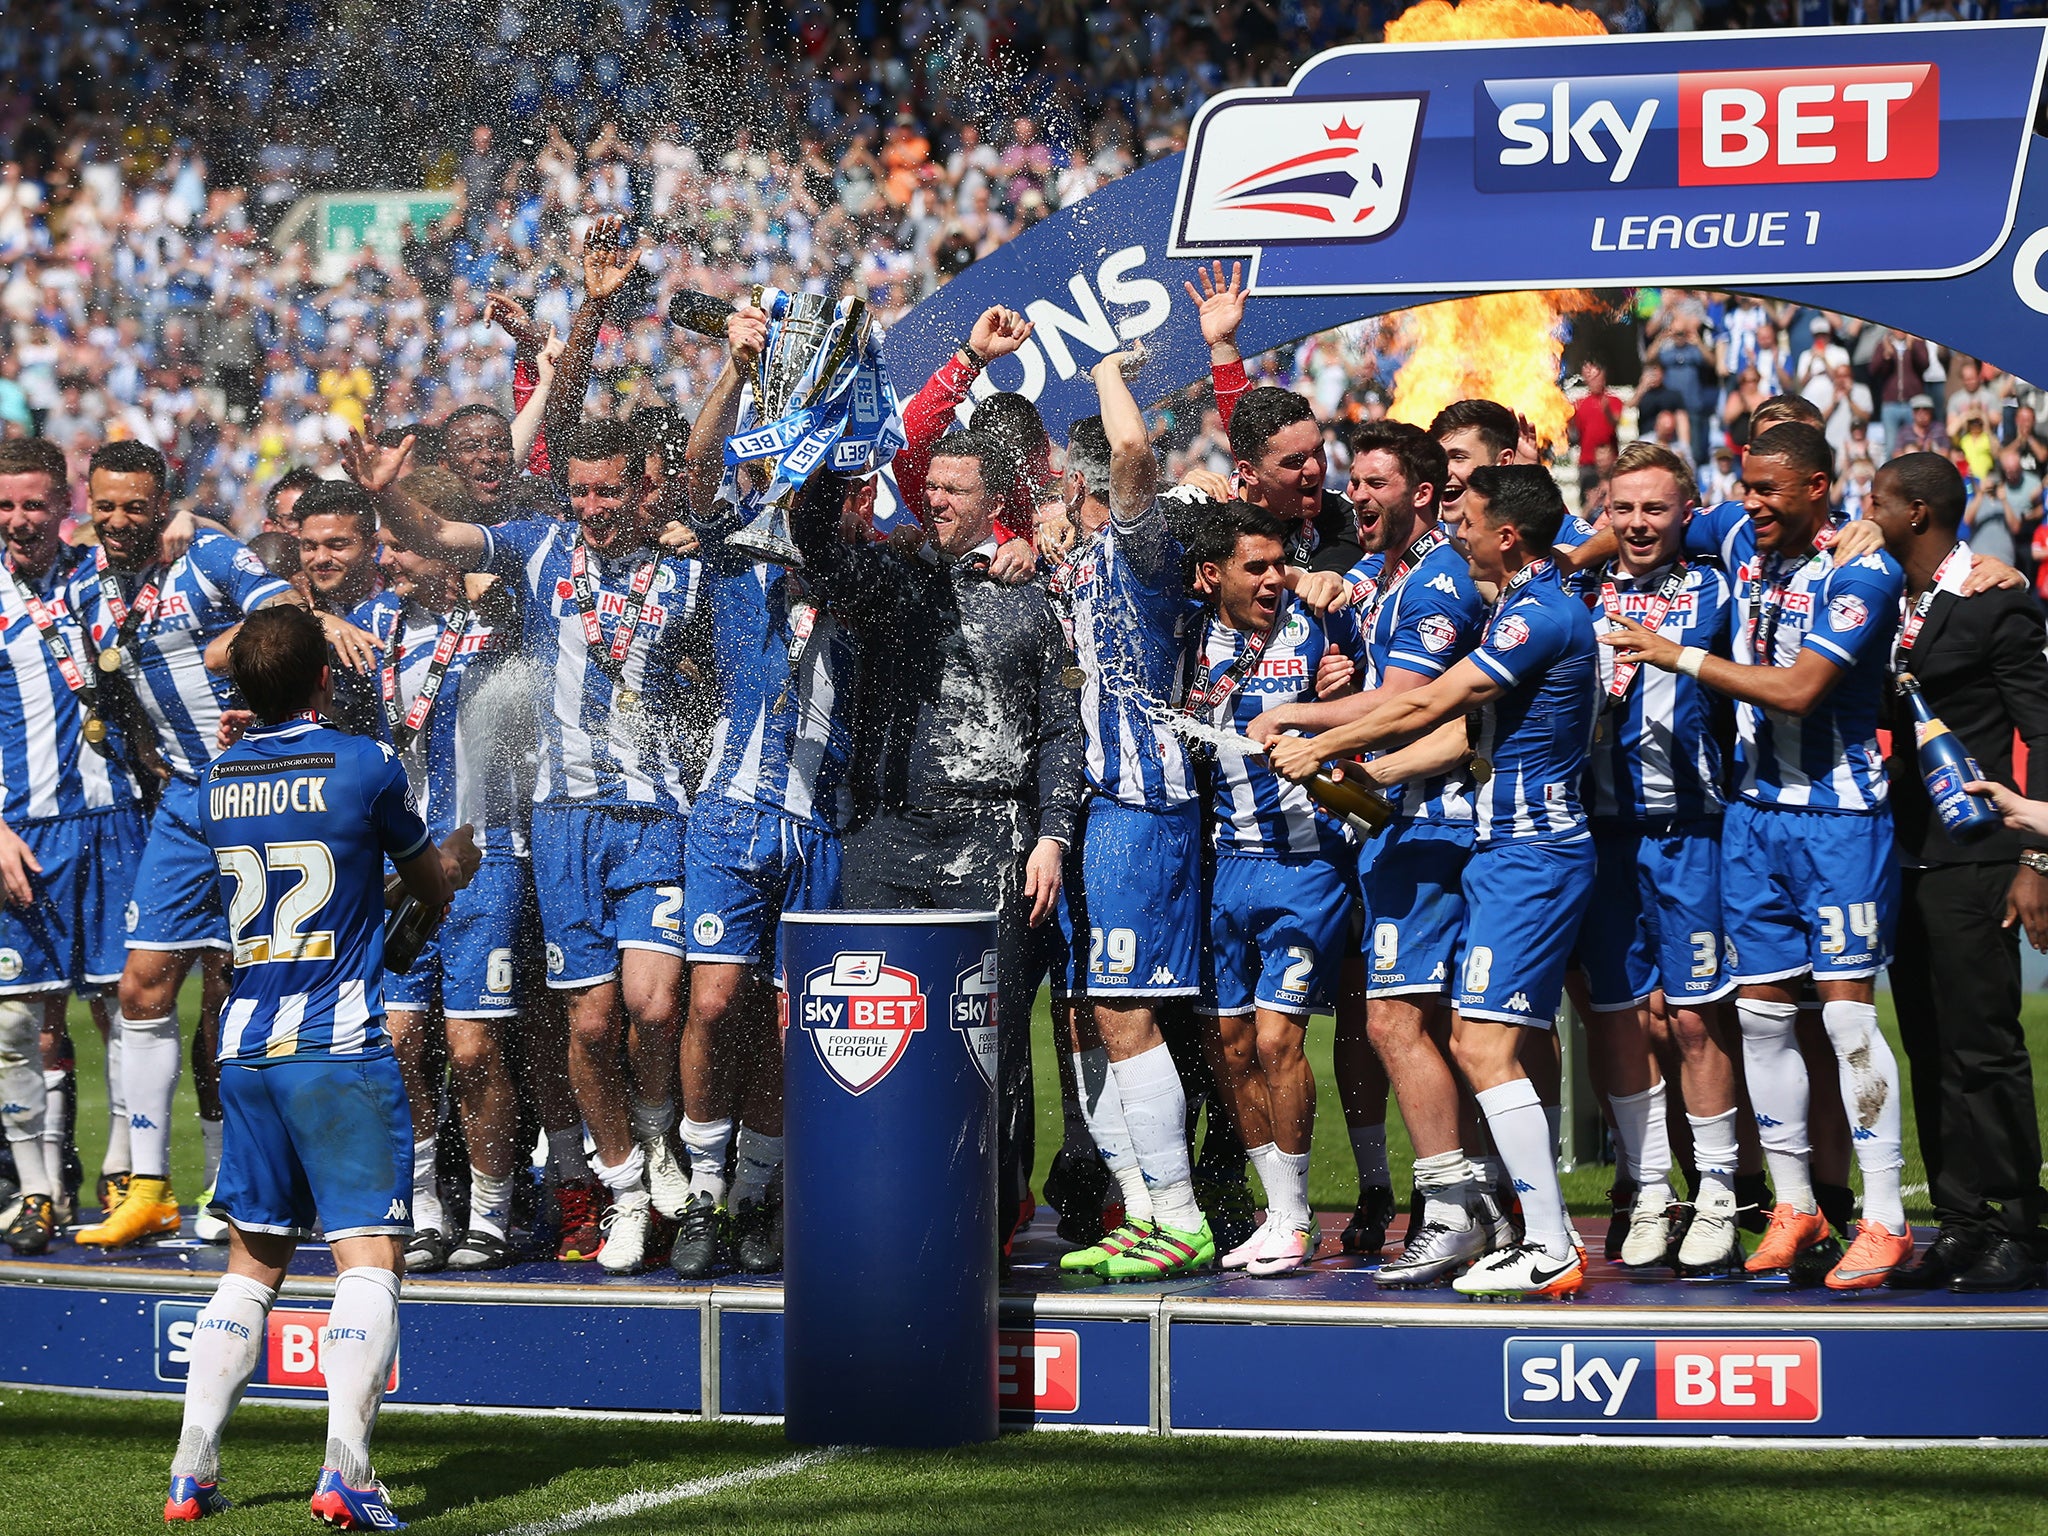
(419,529)
(1219,308)
(607,263)
(526,425)
(1133,467)
(745,335)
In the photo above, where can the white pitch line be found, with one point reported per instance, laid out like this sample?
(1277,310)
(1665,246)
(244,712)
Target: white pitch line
(655,1498)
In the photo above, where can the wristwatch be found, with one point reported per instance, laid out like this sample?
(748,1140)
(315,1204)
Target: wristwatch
(2035,859)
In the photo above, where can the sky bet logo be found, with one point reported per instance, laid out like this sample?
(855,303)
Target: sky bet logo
(292,1342)
(1877,122)
(861,1013)
(1755,1381)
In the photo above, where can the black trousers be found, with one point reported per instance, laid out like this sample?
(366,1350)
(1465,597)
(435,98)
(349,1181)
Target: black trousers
(1956,985)
(970,860)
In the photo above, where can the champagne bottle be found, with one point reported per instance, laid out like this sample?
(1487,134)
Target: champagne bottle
(1365,810)
(699,312)
(1946,767)
(412,922)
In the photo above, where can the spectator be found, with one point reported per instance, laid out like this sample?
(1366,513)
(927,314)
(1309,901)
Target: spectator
(1898,371)
(2006,510)
(1812,371)
(1922,434)
(1969,395)
(1596,419)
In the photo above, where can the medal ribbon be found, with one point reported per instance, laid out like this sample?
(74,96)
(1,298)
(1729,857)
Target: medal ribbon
(1204,700)
(1652,620)
(53,637)
(1378,592)
(1909,629)
(1769,609)
(610,660)
(405,728)
(127,620)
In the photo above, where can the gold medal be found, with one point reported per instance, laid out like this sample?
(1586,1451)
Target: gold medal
(627,701)
(94,729)
(1600,729)
(1477,769)
(110,660)
(1073,677)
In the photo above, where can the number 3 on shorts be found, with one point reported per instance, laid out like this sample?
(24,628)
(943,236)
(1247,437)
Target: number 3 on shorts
(1121,945)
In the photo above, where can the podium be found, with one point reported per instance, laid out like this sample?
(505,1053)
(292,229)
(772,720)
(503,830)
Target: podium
(890,1251)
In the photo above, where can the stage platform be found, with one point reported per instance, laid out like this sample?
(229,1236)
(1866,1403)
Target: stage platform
(1324,1351)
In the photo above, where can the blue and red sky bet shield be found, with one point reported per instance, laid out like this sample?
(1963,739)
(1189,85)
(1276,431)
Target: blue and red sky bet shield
(1745,158)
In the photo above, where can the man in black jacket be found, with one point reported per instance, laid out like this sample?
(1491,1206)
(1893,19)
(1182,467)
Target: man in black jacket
(1956,978)
(967,742)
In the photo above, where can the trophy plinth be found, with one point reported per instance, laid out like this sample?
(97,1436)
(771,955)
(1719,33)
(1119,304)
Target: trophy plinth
(767,538)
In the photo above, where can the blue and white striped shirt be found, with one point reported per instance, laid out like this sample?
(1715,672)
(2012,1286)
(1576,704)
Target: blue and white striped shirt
(300,818)
(1130,600)
(592,751)
(1539,646)
(473,760)
(208,590)
(1828,759)
(1657,758)
(782,743)
(1256,811)
(47,769)
(1429,621)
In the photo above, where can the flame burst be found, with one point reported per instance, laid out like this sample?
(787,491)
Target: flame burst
(1500,346)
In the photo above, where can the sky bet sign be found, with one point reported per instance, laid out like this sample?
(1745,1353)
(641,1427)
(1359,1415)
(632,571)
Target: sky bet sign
(1552,163)
(1633,1381)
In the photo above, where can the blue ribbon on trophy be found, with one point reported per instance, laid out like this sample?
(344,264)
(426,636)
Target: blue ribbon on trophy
(821,398)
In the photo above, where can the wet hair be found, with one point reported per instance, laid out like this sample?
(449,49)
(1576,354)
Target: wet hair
(1524,495)
(1013,421)
(1259,415)
(1219,525)
(665,431)
(278,551)
(1644,454)
(593,442)
(275,660)
(1804,447)
(1088,455)
(428,446)
(300,479)
(1494,422)
(998,468)
(475,408)
(1780,409)
(129,457)
(1420,456)
(444,493)
(340,498)
(1931,478)
(37,456)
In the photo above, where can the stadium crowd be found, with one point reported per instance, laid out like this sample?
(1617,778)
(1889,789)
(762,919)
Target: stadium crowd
(496,481)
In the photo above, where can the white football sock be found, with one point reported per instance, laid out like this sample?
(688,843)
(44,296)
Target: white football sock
(227,1342)
(55,1123)
(652,1120)
(1488,1170)
(1290,1207)
(1515,1117)
(1645,1136)
(1073,1123)
(1713,1149)
(1446,1180)
(707,1141)
(1156,1114)
(426,1187)
(117,1158)
(1778,1093)
(1369,1149)
(626,1181)
(1264,1159)
(356,1350)
(1870,1094)
(150,1063)
(24,1101)
(566,1157)
(210,1133)
(1102,1110)
(755,1159)
(490,1202)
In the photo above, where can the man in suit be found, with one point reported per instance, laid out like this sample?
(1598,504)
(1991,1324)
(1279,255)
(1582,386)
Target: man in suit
(1956,977)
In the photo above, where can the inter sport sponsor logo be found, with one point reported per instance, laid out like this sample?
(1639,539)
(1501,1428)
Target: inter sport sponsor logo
(1708,128)
(1280,169)
(1663,1380)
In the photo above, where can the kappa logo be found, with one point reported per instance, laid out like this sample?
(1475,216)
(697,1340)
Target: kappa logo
(1161,977)
(1268,168)
(860,1012)
(974,1014)
(1442,582)
(1664,1380)
(1519,1002)
(397,1212)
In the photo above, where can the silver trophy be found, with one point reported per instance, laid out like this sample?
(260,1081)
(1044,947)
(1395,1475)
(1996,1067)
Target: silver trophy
(813,352)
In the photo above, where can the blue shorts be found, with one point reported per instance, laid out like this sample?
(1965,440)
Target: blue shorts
(316,1138)
(470,969)
(1523,906)
(1277,934)
(1141,900)
(607,878)
(1807,891)
(743,867)
(1655,921)
(72,939)
(1412,878)
(176,905)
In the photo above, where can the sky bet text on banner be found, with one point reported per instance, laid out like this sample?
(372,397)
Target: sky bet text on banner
(1882,172)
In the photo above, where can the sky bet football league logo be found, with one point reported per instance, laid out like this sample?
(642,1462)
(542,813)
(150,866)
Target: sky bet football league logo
(1727,1381)
(860,1013)
(1302,170)
(974,1014)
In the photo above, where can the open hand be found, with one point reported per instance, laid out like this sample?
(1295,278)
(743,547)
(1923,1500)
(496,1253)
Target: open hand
(1219,304)
(375,469)
(608,259)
